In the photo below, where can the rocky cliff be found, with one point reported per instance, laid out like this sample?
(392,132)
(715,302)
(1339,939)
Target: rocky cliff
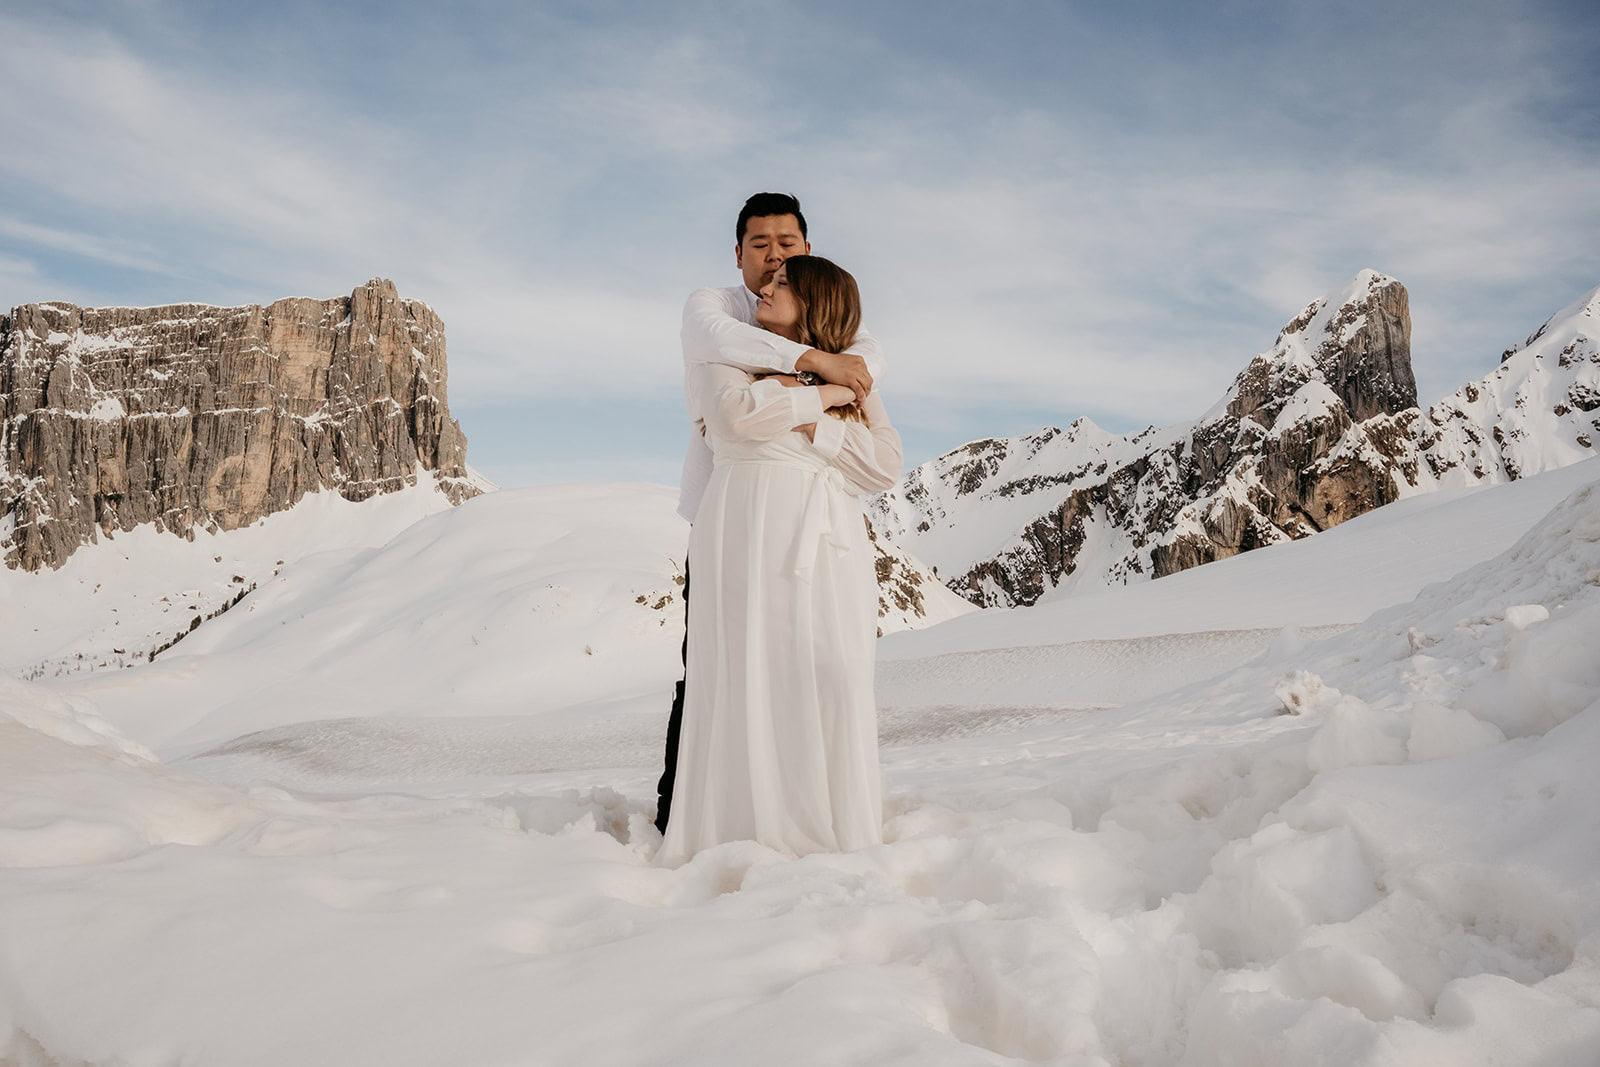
(910,596)
(191,416)
(1321,427)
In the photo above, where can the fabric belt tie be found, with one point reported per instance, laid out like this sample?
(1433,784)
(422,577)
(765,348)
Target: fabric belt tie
(830,507)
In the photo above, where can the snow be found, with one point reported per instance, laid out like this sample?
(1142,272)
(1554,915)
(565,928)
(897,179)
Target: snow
(967,526)
(111,603)
(1312,400)
(1527,415)
(107,408)
(1336,577)
(1376,848)
(573,586)
(997,501)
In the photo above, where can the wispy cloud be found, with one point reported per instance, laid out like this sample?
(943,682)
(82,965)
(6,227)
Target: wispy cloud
(85,245)
(1051,206)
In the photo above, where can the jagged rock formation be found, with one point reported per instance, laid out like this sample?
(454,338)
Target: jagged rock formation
(1318,429)
(910,596)
(189,415)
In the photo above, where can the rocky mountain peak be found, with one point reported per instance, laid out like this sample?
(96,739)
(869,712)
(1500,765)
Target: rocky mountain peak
(191,416)
(1357,339)
(1321,427)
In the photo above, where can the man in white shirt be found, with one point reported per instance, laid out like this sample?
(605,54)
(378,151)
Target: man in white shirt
(719,327)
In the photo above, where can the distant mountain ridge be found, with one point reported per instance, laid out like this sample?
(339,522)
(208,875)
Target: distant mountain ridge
(1321,427)
(190,416)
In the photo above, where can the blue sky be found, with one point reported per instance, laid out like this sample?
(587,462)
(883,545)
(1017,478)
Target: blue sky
(1053,209)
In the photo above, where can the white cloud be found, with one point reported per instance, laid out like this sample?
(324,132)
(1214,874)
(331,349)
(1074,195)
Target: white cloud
(1122,247)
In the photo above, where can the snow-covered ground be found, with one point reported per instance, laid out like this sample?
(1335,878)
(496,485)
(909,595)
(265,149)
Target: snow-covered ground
(114,602)
(561,600)
(1148,827)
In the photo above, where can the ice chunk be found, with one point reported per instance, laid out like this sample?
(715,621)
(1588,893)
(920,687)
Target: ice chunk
(1522,616)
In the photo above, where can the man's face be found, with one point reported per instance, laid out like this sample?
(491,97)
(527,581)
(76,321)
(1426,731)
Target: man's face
(768,241)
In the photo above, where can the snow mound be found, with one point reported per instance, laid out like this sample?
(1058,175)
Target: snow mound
(76,792)
(65,718)
(1425,887)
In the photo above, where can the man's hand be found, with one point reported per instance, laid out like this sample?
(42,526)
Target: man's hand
(835,396)
(845,369)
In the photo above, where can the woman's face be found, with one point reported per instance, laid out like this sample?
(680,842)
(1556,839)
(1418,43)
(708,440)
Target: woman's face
(778,309)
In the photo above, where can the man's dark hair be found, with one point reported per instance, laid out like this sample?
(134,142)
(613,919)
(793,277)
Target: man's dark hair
(763,204)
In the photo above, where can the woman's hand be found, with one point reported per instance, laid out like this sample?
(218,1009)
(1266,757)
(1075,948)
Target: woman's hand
(836,396)
(845,368)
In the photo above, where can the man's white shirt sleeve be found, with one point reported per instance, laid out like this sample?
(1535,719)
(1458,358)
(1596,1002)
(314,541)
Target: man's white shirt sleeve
(719,327)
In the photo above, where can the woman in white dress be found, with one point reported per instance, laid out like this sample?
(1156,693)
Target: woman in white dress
(780,732)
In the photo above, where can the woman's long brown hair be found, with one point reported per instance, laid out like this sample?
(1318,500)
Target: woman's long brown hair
(830,311)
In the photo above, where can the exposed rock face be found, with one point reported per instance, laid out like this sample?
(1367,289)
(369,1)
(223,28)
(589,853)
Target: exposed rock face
(910,596)
(1318,429)
(190,416)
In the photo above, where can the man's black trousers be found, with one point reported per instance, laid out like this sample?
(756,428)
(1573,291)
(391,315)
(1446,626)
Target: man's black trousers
(675,721)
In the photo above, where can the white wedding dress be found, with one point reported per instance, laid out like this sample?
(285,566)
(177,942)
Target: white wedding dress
(780,732)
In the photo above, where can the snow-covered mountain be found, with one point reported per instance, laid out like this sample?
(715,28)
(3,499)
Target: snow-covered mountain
(1540,409)
(1321,427)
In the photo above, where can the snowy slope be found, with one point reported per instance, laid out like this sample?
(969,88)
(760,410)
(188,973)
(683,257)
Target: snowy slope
(989,673)
(552,601)
(1372,851)
(112,603)
(514,602)
(528,603)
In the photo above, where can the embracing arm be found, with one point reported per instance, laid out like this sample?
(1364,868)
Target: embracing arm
(736,408)
(867,454)
(713,333)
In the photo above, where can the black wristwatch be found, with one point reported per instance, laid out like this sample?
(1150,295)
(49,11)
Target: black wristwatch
(807,377)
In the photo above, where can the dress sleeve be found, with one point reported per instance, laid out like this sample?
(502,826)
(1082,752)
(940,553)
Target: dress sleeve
(712,333)
(868,455)
(867,347)
(736,408)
